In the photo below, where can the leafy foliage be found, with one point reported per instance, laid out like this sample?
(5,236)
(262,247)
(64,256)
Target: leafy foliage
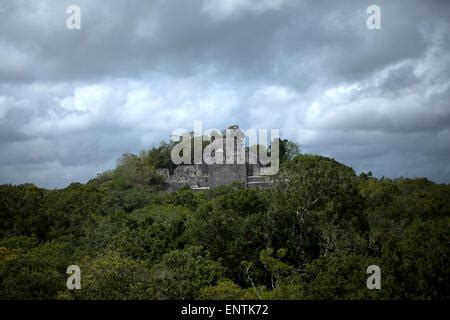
(312,236)
(182,273)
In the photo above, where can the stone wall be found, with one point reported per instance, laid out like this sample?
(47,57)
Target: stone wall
(203,177)
(225,174)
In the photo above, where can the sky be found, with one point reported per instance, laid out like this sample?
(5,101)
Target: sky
(73,101)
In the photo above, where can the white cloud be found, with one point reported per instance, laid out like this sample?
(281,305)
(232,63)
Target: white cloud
(72,102)
(220,10)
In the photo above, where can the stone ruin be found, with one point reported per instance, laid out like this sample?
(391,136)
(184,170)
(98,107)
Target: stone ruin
(207,176)
(203,177)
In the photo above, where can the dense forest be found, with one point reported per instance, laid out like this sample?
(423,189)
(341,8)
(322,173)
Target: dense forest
(311,236)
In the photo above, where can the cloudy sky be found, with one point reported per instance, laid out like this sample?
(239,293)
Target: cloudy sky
(73,101)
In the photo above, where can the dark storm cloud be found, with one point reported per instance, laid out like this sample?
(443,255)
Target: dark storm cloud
(126,38)
(71,101)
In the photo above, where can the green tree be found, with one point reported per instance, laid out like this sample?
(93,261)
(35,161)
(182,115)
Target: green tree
(182,273)
(230,225)
(416,264)
(288,150)
(285,281)
(314,201)
(110,276)
(35,274)
(226,289)
(151,232)
(22,211)
(340,277)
